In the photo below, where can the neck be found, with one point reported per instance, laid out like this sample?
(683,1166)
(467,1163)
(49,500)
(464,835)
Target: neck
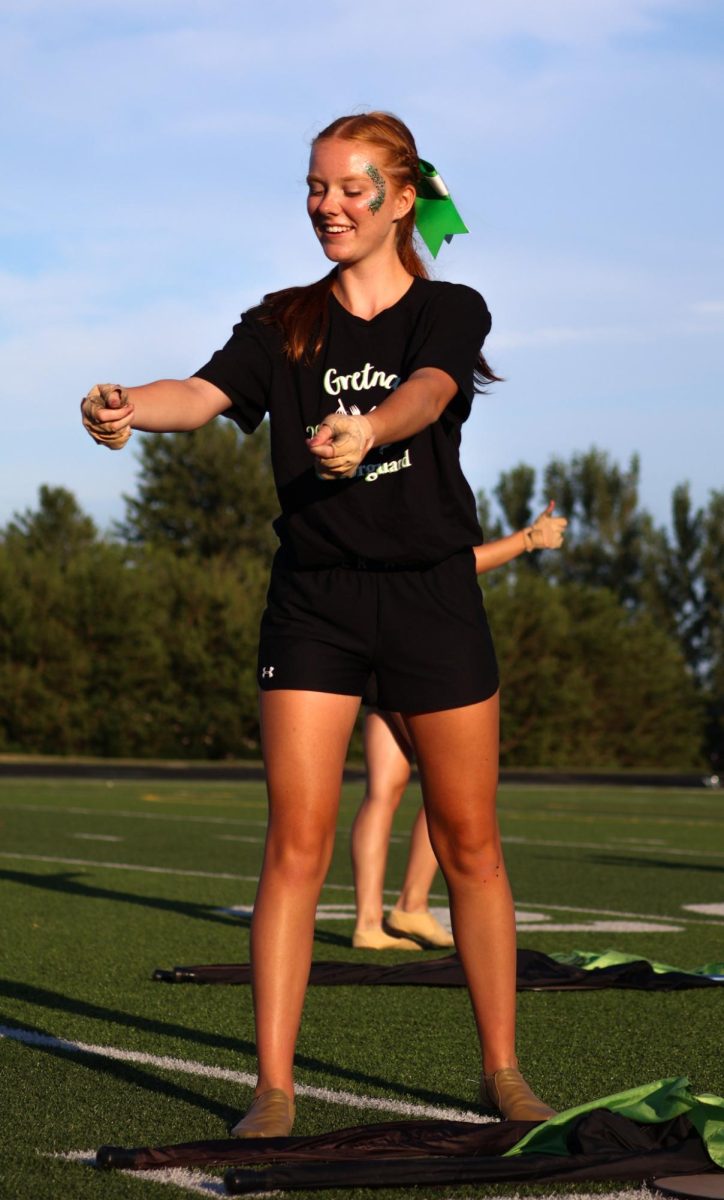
(366,288)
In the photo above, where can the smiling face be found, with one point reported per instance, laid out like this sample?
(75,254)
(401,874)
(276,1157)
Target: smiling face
(353,203)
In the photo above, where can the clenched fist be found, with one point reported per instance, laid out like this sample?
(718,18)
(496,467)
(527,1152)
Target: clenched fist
(340,445)
(99,411)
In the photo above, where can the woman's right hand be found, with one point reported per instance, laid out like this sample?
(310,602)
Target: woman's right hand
(107,414)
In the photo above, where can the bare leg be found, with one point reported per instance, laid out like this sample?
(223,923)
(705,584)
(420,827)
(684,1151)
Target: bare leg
(304,738)
(388,773)
(420,871)
(457,752)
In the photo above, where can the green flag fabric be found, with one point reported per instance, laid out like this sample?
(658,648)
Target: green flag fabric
(649,1103)
(591,960)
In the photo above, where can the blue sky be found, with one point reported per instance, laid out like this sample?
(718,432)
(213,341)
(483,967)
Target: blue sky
(154,157)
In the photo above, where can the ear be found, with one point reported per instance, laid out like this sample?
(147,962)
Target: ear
(404,201)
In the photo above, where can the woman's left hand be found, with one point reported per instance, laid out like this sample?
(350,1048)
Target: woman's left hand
(340,445)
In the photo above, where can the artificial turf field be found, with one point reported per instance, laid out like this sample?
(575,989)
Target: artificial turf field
(102,882)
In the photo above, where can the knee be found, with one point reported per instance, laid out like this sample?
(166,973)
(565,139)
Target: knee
(299,857)
(468,853)
(381,801)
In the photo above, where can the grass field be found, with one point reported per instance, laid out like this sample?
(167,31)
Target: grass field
(102,882)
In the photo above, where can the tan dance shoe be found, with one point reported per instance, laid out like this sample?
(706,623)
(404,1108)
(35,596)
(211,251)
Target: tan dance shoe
(507,1091)
(376,939)
(270,1114)
(421,927)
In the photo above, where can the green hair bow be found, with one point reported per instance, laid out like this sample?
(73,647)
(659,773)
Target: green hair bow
(436,217)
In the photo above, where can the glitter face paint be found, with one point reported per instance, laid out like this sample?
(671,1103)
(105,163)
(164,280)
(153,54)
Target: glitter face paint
(378,200)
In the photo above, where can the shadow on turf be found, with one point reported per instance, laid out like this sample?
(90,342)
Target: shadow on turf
(323,936)
(656,864)
(128,1073)
(57,1002)
(653,864)
(68,883)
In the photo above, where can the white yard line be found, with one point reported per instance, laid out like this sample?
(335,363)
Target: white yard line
(611,844)
(97,837)
(113,866)
(612,912)
(187,818)
(186,1066)
(131,814)
(658,918)
(190,1180)
(509,839)
(186,1178)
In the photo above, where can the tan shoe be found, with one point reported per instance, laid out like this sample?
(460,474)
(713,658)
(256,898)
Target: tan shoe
(376,939)
(422,927)
(271,1114)
(507,1091)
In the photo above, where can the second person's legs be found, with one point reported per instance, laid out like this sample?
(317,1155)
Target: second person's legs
(387,762)
(388,754)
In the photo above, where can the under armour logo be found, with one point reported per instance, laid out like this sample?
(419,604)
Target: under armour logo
(267,672)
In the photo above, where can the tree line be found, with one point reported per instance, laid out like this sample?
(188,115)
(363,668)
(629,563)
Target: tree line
(141,641)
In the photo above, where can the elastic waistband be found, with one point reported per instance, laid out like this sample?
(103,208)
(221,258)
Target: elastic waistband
(375,564)
(355,562)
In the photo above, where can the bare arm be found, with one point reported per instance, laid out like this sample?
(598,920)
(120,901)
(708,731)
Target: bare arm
(496,553)
(415,404)
(167,406)
(546,533)
(174,405)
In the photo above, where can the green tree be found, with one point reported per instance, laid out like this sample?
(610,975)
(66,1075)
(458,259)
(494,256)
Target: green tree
(514,493)
(81,660)
(607,534)
(57,528)
(712,603)
(211,620)
(586,682)
(209,493)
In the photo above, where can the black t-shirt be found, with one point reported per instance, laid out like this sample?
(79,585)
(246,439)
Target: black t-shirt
(409,502)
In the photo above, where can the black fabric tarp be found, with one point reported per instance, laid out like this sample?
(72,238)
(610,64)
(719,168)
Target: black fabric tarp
(601,1145)
(536,972)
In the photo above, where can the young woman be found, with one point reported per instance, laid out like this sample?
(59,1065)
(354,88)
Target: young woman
(389,754)
(367,377)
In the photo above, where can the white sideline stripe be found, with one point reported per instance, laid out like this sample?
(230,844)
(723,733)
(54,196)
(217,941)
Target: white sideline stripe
(610,844)
(511,839)
(97,837)
(238,837)
(612,912)
(658,918)
(186,1178)
(601,927)
(525,922)
(713,910)
(112,866)
(187,1066)
(191,1180)
(106,814)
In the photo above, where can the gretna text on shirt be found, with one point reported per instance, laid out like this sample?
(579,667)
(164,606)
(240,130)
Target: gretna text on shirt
(358,381)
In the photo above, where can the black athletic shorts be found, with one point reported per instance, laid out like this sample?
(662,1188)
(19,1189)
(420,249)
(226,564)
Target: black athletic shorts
(422,634)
